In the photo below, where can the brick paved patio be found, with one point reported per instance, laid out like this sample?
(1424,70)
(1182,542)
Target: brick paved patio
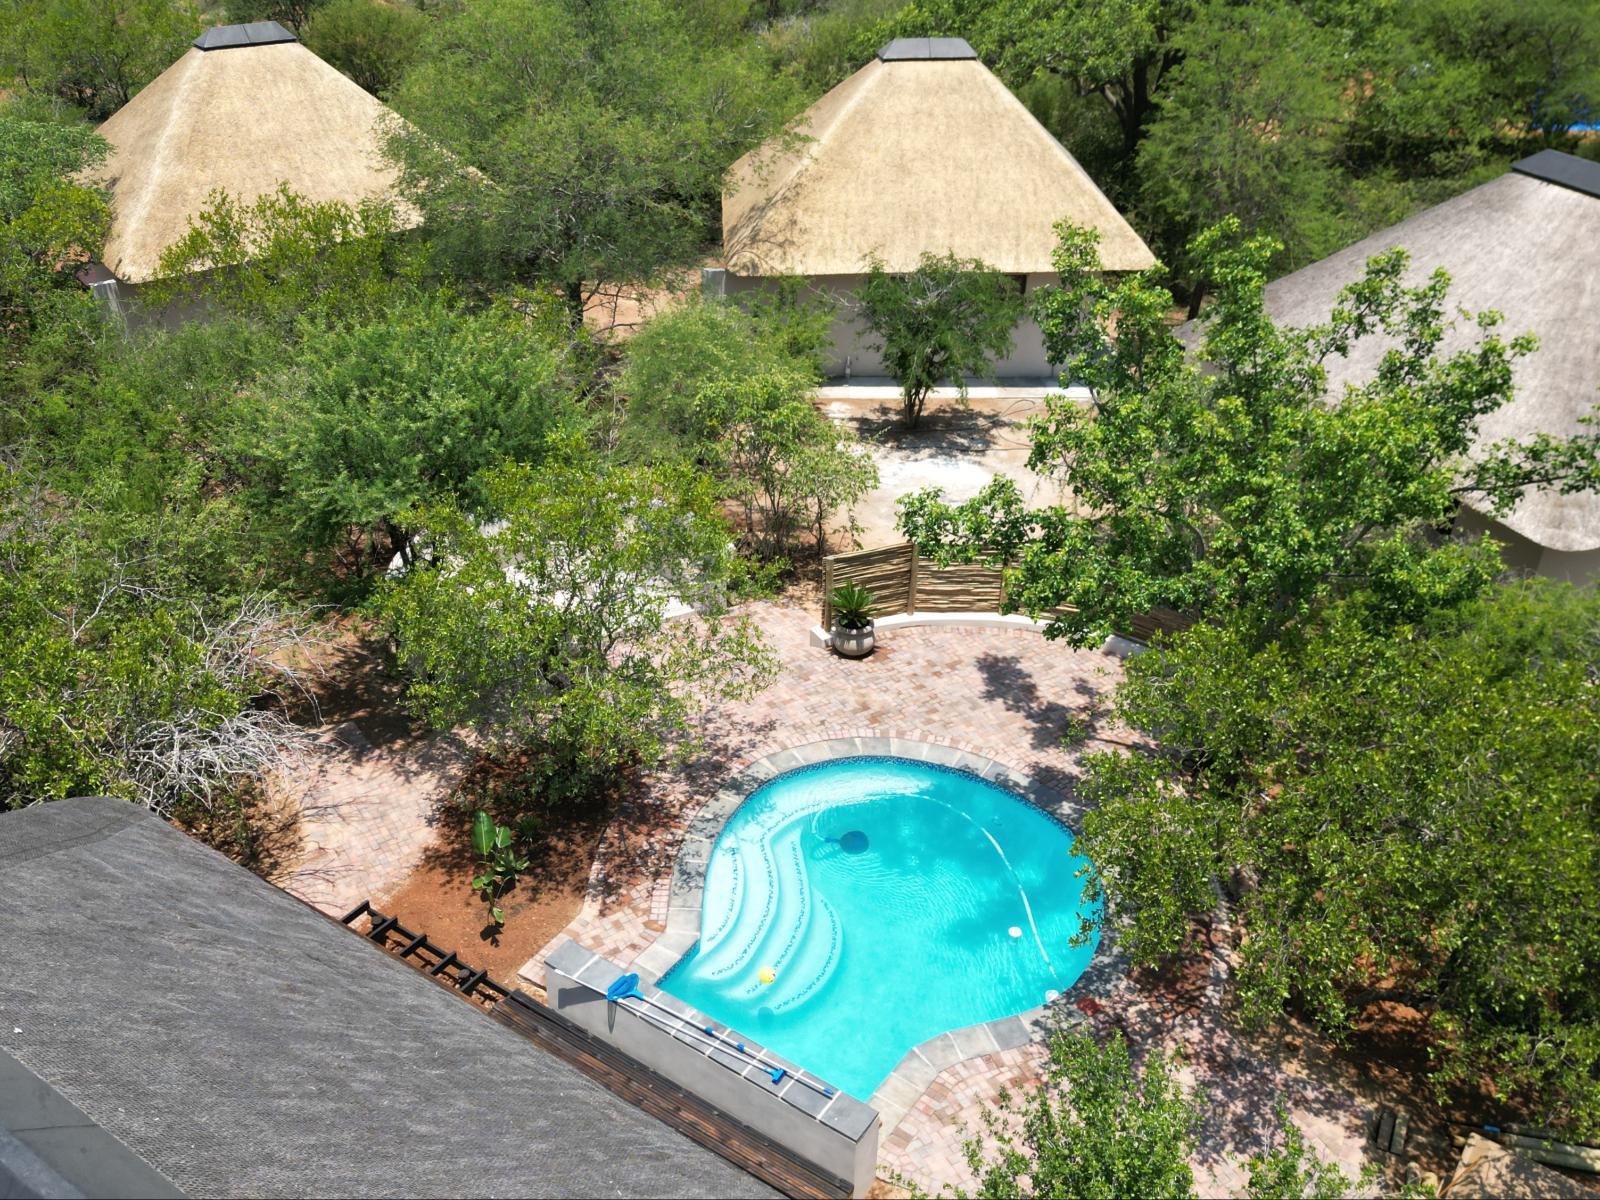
(367,814)
(1006,695)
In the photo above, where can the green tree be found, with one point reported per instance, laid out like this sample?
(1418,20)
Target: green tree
(1290,1170)
(282,258)
(1248,127)
(292,14)
(547,627)
(948,319)
(372,42)
(1121,52)
(574,145)
(94,53)
(689,347)
(1242,487)
(375,423)
(1097,1127)
(145,419)
(1398,814)
(1537,65)
(822,44)
(129,666)
(48,225)
(786,465)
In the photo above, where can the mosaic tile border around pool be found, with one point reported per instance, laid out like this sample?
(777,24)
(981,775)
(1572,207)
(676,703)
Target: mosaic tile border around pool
(922,1064)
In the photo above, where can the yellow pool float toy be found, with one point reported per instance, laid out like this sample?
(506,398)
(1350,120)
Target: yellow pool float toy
(766,975)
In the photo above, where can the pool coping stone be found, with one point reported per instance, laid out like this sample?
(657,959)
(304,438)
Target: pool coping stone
(903,1087)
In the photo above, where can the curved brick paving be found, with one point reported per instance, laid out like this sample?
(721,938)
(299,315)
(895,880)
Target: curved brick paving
(1004,694)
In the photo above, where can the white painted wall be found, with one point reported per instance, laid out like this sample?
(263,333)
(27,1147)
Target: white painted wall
(852,355)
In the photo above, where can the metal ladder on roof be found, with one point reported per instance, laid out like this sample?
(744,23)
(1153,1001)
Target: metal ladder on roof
(415,948)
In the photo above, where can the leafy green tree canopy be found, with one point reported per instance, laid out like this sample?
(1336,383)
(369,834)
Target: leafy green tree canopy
(1398,815)
(293,14)
(1289,1169)
(282,258)
(548,629)
(1242,486)
(129,664)
(48,226)
(372,42)
(785,464)
(94,53)
(948,319)
(696,344)
(375,423)
(1097,1127)
(576,144)
(1248,128)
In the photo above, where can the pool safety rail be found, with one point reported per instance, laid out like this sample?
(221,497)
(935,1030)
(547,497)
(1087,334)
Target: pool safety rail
(619,1073)
(652,1093)
(626,991)
(416,949)
(803,1114)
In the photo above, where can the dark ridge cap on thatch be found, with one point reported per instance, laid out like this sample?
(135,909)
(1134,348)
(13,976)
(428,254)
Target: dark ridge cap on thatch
(256,33)
(926,49)
(1565,170)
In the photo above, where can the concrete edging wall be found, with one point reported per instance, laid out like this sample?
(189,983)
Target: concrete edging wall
(802,1112)
(1120,647)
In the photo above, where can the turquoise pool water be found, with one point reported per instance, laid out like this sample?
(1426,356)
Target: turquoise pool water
(889,901)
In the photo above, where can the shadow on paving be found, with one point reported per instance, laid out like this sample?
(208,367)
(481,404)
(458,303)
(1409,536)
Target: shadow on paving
(647,824)
(946,430)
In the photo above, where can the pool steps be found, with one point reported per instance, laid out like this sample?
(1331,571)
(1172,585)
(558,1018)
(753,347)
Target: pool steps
(794,931)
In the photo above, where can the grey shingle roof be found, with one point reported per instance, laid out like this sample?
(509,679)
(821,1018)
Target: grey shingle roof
(242,1044)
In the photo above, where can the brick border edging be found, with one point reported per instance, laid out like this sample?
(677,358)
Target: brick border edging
(903,1087)
(1115,645)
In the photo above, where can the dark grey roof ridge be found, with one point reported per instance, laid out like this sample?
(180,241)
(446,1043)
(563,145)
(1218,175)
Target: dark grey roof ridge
(1564,170)
(926,50)
(49,1148)
(255,33)
(230,1036)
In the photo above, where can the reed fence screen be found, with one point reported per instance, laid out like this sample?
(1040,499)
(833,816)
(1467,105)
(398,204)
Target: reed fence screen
(902,581)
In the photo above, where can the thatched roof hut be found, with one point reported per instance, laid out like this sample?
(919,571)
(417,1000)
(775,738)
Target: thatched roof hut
(1489,1170)
(920,150)
(1527,245)
(246,108)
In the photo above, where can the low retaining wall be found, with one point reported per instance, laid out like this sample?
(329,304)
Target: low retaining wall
(817,1122)
(1119,646)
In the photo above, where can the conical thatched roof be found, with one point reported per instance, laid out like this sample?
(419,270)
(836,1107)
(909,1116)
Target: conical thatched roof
(245,109)
(921,150)
(1527,245)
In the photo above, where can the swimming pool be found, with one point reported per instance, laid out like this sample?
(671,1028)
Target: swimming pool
(855,908)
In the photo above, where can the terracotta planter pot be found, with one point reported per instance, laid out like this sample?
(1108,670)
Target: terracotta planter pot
(853,643)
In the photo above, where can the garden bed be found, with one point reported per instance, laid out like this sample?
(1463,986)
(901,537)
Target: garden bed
(437,896)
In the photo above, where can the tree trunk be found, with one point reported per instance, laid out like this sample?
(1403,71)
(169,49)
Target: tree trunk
(913,407)
(572,293)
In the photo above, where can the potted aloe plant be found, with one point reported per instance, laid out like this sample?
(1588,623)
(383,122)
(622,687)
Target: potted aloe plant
(852,620)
